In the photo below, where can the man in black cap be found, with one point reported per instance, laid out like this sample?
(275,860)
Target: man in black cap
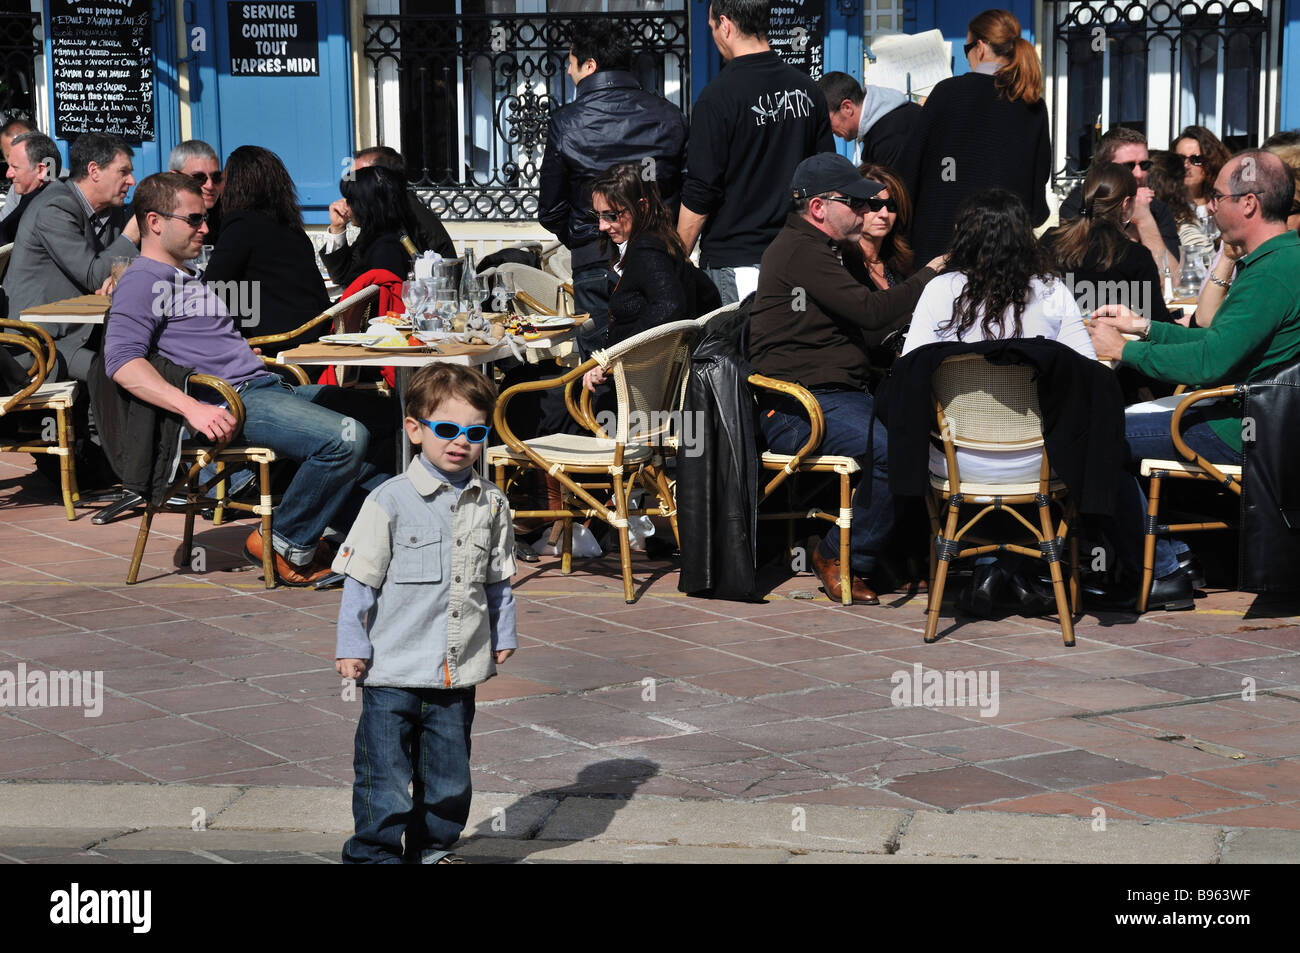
(808,325)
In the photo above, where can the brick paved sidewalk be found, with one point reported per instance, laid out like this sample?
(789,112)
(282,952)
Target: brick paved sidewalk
(210,679)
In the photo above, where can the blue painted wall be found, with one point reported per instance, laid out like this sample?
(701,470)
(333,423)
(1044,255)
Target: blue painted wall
(1289,117)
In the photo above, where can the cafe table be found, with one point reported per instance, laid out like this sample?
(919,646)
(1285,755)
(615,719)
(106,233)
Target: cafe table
(83,309)
(444,352)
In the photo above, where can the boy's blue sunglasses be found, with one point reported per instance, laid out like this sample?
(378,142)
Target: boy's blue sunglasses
(446,430)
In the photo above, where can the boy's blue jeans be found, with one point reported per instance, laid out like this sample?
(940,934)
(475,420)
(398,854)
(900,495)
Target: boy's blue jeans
(412,774)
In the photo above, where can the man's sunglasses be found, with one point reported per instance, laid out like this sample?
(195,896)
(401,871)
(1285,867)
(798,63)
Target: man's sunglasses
(1145,164)
(1217,197)
(202,177)
(446,430)
(1197,159)
(193,221)
(861,205)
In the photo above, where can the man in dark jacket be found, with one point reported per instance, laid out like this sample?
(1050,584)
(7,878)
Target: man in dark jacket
(877,120)
(33,164)
(612,119)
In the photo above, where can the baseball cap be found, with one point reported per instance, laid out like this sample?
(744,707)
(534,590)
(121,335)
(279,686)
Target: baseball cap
(831,172)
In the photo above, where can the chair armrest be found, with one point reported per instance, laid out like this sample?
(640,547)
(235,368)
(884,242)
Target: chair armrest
(37,340)
(815,419)
(1186,452)
(289,370)
(290,335)
(499,415)
(523,297)
(233,403)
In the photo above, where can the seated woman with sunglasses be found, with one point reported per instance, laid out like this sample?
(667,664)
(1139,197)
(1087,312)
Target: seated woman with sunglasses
(264,261)
(885,249)
(1203,156)
(657,282)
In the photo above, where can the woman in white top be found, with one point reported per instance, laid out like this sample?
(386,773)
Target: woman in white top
(998,284)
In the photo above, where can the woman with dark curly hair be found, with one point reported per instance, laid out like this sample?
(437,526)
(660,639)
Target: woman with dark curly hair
(999,284)
(377,203)
(885,249)
(264,250)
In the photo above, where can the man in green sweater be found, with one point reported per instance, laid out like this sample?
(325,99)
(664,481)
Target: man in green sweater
(1255,330)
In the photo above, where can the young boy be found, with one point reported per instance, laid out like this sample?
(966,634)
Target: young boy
(427,614)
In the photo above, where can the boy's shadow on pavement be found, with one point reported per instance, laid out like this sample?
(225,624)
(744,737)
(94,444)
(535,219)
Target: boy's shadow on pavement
(599,791)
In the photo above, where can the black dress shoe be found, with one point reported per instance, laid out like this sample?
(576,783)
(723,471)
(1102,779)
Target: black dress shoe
(1188,563)
(129,500)
(1174,591)
(1027,599)
(987,587)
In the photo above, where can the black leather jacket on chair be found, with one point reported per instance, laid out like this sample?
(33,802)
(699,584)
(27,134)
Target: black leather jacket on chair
(612,120)
(1270,498)
(718,478)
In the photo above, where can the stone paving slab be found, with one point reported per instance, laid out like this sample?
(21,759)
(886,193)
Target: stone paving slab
(216,689)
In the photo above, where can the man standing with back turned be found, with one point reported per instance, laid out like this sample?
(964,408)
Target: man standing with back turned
(755,122)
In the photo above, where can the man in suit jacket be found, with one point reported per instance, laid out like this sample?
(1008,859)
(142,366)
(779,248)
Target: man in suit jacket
(33,164)
(67,241)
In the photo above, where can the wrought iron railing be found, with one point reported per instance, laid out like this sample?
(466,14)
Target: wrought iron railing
(474,93)
(1157,66)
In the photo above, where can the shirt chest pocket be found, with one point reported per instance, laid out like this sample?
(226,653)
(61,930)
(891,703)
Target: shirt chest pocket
(417,555)
(480,554)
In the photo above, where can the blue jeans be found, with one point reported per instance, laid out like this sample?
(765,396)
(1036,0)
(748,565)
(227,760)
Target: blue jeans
(297,422)
(416,739)
(849,420)
(1148,436)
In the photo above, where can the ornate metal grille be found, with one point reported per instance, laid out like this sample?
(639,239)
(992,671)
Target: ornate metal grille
(18,50)
(1158,66)
(475,92)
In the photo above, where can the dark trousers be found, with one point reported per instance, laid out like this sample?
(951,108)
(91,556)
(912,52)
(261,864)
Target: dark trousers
(416,738)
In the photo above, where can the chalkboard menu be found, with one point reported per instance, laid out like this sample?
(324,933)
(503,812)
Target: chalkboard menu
(103,67)
(273,39)
(796,34)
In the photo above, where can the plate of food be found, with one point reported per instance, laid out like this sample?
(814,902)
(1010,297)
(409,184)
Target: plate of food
(392,320)
(361,338)
(398,342)
(536,326)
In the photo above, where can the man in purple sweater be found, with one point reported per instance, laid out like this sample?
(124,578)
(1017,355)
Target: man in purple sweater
(160,306)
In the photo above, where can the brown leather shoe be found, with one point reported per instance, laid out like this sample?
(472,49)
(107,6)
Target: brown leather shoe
(829,572)
(285,571)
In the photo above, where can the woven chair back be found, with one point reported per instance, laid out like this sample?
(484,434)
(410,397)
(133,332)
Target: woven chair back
(649,374)
(354,313)
(988,406)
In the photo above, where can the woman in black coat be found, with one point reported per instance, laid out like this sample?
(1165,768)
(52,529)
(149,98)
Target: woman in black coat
(264,261)
(378,203)
(985,129)
(657,283)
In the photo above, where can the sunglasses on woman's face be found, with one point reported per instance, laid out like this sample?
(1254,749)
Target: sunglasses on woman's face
(202,177)
(610,216)
(970,46)
(1197,159)
(446,430)
(888,205)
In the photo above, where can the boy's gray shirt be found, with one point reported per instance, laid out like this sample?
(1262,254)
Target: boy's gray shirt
(431,551)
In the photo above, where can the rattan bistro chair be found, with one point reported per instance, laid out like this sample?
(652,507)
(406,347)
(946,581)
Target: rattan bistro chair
(536,291)
(228,460)
(1192,466)
(807,460)
(648,372)
(5,252)
(982,406)
(37,395)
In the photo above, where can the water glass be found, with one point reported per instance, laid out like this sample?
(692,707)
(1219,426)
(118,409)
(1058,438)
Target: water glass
(445,307)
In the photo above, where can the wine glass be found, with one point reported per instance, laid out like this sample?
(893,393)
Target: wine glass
(503,292)
(413,296)
(445,307)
